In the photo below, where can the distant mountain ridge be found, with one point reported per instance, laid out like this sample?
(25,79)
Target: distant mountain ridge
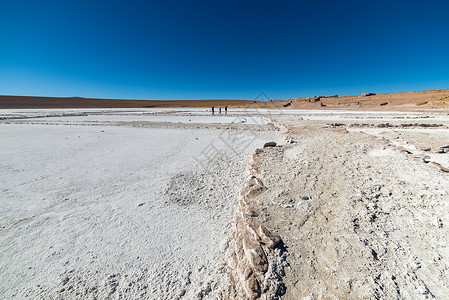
(29,102)
(367,99)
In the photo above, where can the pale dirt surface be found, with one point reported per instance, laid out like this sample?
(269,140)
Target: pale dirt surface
(359,206)
(359,218)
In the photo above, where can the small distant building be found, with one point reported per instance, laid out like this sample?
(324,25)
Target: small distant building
(368,94)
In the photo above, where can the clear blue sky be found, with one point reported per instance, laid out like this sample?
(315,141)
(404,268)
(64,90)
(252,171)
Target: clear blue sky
(221,49)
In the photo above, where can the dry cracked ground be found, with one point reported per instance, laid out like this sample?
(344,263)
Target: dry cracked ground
(362,214)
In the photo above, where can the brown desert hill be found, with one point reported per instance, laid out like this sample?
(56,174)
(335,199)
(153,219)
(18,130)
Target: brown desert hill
(31,102)
(431,99)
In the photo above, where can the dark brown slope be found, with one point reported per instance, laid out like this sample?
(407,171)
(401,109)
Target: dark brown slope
(23,102)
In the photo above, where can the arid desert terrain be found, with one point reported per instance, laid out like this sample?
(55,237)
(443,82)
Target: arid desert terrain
(270,203)
(409,101)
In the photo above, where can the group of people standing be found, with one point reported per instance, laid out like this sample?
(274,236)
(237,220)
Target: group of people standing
(219,110)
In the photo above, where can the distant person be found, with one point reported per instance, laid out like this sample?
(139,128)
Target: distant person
(213,111)
(226,110)
(219,109)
